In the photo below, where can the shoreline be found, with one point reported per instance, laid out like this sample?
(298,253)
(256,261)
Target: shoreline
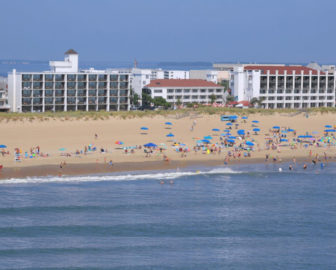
(85,169)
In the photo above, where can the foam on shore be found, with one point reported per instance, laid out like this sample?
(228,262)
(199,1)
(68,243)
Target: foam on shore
(162,175)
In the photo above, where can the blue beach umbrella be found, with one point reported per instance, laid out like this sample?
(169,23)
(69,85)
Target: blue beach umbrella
(256,129)
(3,146)
(328,126)
(244,117)
(150,145)
(284,131)
(241,132)
(255,121)
(229,124)
(232,137)
(330,130)
(215,129)
(276,127)
(249,143)
(205,141)
(283,140)
(231,141)
(207,138)
(226,130)
(290,130)
(144,128)
(169,123)
(170,135)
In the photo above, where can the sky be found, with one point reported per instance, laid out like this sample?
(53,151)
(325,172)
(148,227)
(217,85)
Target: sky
(291,31)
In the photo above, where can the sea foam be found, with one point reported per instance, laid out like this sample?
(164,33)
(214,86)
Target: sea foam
(161,175)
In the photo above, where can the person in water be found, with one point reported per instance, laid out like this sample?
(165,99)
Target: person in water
(304,166)
(290,167)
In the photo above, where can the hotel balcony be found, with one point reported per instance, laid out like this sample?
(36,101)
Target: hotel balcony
(114,85)
(49,93)
(81,85)
(71,85)
(49,77)
(92,78)
(123,78)
(102,85)
(71,93)
(81,78)
(27,93)
(49,101)
(37,93)
(81,93)
(92,100)
(123,100)
(114,93)
(92,86)
(81,101)
(59,101)
(114,100)
(59,86)
(37,101)
(102,93)
(27,101)
(59,93)
(49,85)
(92,93)
(38,77)
(114,77)
(59,77)
(102,78)
(71,101)
(71,78)
(102,100)
(123,93)
(26,78)
(37,86)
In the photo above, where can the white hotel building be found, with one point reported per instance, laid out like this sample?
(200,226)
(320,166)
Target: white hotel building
(65,88)
(282,86)
(187,91)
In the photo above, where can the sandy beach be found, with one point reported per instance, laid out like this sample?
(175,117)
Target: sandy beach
(66,147)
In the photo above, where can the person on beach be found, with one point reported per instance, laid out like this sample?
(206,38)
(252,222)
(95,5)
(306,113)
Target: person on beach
(111,163)
(96,136)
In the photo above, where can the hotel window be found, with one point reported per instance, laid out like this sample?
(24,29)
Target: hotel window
(279,98)
(170,91)
(210,90)
(170,97)
(195,90)
(195,97)
(218,90)
(157,91)
(114,77)
(186,90)
(203,90)
(178,91)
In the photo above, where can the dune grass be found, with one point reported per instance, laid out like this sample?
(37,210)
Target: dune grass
(103,115)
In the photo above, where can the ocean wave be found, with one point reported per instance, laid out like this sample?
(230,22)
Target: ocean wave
(162,175)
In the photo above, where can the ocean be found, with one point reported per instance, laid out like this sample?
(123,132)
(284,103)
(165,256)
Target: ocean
(238,217)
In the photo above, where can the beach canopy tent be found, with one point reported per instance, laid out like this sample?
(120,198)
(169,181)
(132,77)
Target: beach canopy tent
(169,123)
(255,121)
(244,117)
(249,143)
(241,132)
(207,138)
(256,129)
(3,146)
(215,129)
(229,124)
(276,127)
(170,135)
(231,118)
(150,145)
(144,128)
(119,142)
(328,126)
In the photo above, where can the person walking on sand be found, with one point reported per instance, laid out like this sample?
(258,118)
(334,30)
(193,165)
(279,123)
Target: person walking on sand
(96,136)
(111,163)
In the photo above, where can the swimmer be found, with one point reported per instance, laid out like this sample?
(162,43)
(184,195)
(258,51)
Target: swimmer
(171,182)
(290,167)
(162,182)
(304,166)
(280,169)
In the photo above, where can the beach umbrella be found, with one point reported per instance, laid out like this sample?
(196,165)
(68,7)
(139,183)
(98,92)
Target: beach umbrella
(231,141)
(119,142)
(3,146)
(276,127)
(241,132)
(150,145)
(205,141)
(144,128)
(328,126)
(284,131)
(290,130)
(256,129)
(169,123)
(232,137)
(249,143)
(330,130)
(199,141)
(170,135)
(61,149)
(207,138)
(226,130)
(229,124)
(255,121)
(244,117)
(215,129)
(283,140)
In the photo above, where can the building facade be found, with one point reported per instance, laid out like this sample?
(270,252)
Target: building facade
(65,89)
(208,75)
(3,95)
(186,91)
